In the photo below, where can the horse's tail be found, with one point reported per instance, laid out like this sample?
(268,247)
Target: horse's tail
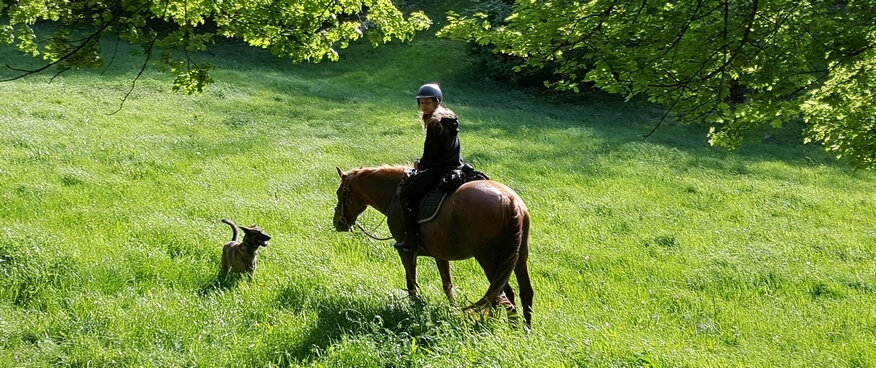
(521,269)
(516,246)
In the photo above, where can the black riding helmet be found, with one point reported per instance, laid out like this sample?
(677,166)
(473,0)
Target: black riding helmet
(430,90)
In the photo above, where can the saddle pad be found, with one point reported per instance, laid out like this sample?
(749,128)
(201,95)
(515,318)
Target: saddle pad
(430,204)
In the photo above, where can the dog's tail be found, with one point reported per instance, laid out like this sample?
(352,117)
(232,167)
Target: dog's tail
(233,228)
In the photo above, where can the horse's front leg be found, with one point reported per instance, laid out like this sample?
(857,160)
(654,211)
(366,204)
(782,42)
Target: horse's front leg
(446,280)
(409,261)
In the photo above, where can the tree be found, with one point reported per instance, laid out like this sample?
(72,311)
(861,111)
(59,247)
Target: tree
(731,64)
(303,30)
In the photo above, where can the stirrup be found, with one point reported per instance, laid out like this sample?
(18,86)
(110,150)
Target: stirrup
(401,246)
(404,246)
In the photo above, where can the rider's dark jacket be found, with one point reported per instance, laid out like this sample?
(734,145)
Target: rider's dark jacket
(441,154)
(441,150)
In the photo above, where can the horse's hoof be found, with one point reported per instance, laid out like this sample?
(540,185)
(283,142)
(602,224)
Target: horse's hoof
(480,310)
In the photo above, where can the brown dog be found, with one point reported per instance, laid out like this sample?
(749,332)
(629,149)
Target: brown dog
(241,256)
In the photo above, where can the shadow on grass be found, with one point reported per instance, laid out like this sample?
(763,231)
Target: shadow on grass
(396,325)
(349,316)
(592,143)
(222,283)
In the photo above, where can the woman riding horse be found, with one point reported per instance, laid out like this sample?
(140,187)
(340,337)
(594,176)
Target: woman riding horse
(481,219)
(441,154)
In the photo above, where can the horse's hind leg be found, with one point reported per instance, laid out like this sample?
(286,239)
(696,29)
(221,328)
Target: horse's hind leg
(498,274)
(509,293)
(508,303)
(446,280)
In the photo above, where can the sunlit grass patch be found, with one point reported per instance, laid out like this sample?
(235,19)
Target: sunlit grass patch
(662,251)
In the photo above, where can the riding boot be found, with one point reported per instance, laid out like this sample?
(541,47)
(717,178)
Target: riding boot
(412,228)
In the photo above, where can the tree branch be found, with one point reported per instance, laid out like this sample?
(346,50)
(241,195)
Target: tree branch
(66,56)
(665,114)
(139,73)
(86,41)
(727,62)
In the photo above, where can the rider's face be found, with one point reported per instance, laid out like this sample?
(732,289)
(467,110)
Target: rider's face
(427,105)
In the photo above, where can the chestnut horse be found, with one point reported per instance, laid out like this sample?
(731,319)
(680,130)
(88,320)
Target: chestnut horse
(481,219)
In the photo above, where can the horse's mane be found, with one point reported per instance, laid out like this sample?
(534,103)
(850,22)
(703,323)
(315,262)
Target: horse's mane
(384,169)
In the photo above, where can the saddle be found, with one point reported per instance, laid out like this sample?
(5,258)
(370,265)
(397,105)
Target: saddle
(431,202)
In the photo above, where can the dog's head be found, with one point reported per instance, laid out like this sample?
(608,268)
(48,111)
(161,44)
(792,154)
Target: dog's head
(255,236)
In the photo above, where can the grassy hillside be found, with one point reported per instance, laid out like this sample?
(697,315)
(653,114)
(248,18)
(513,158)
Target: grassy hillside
(658,252)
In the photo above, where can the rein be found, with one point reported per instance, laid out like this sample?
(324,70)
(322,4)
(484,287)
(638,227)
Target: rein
(369,234)
(347,199)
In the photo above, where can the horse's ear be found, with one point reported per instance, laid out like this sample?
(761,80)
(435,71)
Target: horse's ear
(340,173)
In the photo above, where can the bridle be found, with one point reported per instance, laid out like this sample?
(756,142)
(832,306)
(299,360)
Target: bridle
(339,211)
(345,199)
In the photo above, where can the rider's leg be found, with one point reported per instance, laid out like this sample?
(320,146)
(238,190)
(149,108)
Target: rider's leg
(409,197)
(412,228)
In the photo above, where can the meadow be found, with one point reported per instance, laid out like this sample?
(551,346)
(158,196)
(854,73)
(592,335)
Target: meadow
(661,252)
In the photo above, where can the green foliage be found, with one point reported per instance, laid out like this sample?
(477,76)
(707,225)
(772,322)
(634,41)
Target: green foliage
(733,66)
(191,79)
(310,30)
(499,66)
(842,114)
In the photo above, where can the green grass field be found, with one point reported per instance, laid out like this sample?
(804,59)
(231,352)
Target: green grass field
(662,252)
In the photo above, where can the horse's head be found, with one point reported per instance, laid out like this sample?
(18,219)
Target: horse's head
(350,205)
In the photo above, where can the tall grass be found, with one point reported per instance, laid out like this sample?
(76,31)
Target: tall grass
(657,252)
